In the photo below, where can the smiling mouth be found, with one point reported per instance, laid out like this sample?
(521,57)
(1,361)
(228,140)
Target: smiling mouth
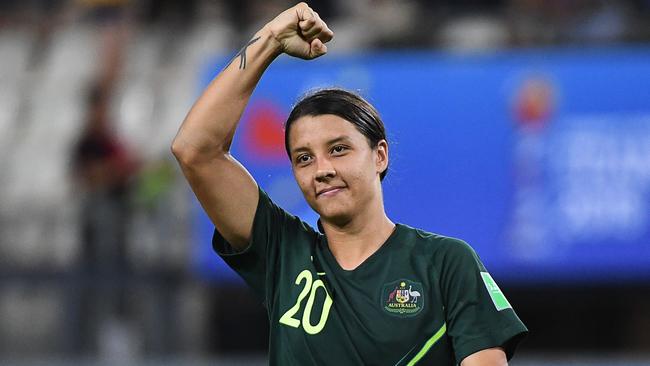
(329,191)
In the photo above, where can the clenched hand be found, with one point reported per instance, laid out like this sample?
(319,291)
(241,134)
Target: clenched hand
(300,32)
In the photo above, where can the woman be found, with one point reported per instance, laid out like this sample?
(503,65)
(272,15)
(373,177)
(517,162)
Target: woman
(367,291)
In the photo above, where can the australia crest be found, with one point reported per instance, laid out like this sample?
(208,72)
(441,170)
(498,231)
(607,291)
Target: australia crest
(402,297)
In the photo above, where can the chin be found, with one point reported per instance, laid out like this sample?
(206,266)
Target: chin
(338,215)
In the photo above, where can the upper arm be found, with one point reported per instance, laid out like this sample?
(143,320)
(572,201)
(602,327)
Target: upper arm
(478,315)
(486,357)
(226,191)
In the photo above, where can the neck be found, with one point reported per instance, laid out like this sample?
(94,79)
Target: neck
(354,241)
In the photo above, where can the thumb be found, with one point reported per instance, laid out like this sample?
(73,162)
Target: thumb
(317,48)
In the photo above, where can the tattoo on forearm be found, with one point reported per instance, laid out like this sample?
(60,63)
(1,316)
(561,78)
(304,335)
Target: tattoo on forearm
(242,54)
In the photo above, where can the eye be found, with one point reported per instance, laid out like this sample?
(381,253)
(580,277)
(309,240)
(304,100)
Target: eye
(338,149)
(303,159)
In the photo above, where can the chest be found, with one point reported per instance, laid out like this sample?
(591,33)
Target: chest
(376,313)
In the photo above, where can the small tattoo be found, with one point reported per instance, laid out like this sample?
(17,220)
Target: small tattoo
(242,54)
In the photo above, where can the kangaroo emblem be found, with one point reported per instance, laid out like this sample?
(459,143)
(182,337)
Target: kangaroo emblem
(391,296)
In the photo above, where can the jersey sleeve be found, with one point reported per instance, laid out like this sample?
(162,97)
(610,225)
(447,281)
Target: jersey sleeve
(478,315)
(257,264)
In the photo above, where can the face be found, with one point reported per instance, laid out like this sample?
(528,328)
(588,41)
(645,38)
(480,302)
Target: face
(335,167)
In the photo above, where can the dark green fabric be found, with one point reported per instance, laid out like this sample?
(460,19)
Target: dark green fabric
(384,311)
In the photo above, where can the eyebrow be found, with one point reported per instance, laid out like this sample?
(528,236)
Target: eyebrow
(342,138)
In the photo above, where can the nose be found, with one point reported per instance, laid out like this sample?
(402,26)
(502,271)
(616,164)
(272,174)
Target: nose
(325,170)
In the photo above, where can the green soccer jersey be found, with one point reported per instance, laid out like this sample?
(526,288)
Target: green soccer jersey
(420,299)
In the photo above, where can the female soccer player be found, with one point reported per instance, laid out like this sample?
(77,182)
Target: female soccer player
(367,291)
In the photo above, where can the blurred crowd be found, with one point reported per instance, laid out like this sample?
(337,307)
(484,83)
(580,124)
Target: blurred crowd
(363,24)
(95,220)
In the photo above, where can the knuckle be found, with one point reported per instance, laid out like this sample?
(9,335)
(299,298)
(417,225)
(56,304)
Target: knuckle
(303,6)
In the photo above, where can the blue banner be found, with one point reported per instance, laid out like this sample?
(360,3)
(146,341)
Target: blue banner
(540,159)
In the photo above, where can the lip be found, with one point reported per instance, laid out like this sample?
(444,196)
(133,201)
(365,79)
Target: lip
(329,191)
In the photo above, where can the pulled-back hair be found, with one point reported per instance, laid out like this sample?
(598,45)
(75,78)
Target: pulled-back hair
(342,103)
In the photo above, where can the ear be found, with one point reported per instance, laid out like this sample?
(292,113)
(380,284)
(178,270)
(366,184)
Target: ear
(381,156)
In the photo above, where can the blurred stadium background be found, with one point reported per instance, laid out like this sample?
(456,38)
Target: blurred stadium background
(525,122)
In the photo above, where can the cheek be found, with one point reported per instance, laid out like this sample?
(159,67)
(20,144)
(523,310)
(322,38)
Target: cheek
(367,169)
(302,180)
(358,174)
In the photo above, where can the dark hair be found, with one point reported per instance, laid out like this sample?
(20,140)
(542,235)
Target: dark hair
(345,104)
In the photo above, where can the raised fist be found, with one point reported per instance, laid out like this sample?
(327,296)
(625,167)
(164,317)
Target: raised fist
(300,32)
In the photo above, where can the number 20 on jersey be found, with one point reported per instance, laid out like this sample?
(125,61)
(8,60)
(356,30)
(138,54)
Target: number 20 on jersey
(309,289)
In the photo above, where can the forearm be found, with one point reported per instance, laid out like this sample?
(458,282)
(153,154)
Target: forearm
(487,357)
(210,125)
(204,138)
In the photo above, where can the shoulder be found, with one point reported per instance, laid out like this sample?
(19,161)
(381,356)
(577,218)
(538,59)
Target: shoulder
(436,243)
(445,253)
(278,217)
